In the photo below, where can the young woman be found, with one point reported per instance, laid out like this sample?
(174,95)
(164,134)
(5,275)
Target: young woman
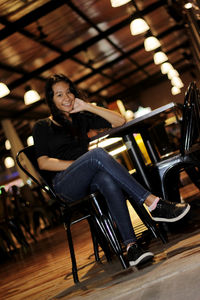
(61,143)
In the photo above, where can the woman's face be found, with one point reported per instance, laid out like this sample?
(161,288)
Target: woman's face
(62,97)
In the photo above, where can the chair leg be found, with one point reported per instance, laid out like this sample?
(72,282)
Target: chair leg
(72,253)
(94,240)
(109,232)
(107,229)
(100,238)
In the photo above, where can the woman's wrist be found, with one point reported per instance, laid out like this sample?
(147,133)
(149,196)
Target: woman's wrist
(89,107)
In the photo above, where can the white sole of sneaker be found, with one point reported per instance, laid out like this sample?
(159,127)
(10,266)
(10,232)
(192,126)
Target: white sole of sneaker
(157,219)
(143,258)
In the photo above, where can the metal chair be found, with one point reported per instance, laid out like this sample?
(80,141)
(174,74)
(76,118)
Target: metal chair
(189,146)
(101,226)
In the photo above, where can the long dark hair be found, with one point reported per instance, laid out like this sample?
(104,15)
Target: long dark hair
(58,116)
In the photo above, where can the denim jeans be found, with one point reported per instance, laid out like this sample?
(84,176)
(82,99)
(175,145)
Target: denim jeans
(97,170)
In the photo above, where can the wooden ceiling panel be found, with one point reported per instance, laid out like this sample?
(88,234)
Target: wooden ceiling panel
(71,69)
(152,69)
(134,78)
(176,57)
(143,4)
(101,12)
(142,57)
(101,53)
(17,50)
(159,21)
(112,91)
(13,10)
(120,68)
(125,40)
(10,7)
(94,83)
(64,28)
(173,40)
(8,76)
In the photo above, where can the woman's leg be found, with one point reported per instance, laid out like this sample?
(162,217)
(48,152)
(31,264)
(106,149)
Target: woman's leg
(117,205)
(75,181)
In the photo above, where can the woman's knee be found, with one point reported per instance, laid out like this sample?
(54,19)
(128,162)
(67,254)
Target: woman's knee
(105,181)
(98,151)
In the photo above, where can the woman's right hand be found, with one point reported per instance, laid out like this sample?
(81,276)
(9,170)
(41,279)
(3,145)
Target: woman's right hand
(79,105)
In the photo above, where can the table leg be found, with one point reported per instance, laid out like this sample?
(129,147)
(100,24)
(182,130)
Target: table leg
(137,158)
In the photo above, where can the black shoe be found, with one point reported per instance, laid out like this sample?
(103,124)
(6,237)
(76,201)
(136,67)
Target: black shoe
(137,255)
(166,211)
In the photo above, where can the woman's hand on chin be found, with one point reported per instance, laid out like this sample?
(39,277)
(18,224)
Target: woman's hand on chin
(79,105)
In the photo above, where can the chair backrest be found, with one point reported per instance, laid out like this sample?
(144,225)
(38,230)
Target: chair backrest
(43,175)
(190,127)
(197,110)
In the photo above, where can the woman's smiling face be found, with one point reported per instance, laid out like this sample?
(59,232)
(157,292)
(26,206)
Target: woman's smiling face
(62,97)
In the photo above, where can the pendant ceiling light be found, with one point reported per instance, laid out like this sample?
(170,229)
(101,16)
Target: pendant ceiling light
(4,90)
(9,162)
(188,5)
(165,67)
(175,90)
(31,96)
(30,140)
(160,57)
(138,26)
(151,43)
(7,145)
(116,3)
(172,73)
(176,81)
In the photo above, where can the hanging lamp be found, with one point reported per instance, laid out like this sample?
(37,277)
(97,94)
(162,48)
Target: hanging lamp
(172,73)
(165,67)
(30,140)
(151,43)
(138,26)
(4,90)
(9,162)
(30,96)
(188,5)
(7,145)
(160,57)
(176,81)
(175,90)
(117,3)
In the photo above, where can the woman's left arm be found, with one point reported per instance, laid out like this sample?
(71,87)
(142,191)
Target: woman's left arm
(115,118)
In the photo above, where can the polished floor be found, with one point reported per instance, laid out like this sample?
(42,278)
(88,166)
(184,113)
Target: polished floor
(44,271)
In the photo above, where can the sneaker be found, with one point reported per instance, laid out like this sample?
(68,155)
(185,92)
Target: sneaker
(166,211)
(137,255)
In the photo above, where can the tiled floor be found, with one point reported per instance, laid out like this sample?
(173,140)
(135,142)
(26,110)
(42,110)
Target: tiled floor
(44,272)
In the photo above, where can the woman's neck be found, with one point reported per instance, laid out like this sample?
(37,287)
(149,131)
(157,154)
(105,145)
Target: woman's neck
(55,122)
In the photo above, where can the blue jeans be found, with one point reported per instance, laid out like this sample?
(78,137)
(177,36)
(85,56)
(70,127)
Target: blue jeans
(97,170)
